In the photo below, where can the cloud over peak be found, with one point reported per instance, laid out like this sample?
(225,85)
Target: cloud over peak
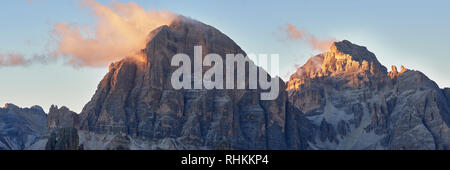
(293,33)
(120,31)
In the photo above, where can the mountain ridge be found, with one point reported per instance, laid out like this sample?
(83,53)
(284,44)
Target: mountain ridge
(340,99)
(357,104)
(147,108)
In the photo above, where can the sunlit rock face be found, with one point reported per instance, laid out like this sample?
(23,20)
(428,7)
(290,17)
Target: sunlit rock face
(395,73)
(351,63)
(354,103)
(341,99)
(22,128)
(135,102)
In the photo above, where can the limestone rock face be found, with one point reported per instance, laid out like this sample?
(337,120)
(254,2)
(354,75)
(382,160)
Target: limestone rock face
(62,118)
(136,102)
(394,73)
(63,139)
(421,114)
(341,99)
(347,62)
(63,127)
(446,91)
(22,128)
(354,103)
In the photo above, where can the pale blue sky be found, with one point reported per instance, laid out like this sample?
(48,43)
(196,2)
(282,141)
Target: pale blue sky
(412,33)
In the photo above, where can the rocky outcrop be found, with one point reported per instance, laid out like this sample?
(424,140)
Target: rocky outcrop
(22,128)
(64,139)
(63,127)
(420,117)
(62,118)
(394,73)
(356,104)
(135,100)
(342,99)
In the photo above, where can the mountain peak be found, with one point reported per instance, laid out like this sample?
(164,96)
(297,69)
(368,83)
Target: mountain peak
(182,35)
(139,100)
(15,107)
(355,52)
(181,20)
(10,106)
(344,60)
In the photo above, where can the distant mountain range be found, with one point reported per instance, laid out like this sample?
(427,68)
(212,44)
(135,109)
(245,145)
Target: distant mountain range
(341,99)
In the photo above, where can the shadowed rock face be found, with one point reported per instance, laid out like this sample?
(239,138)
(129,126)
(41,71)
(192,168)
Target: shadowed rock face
(63,127)
(136,100)
(63,139)
(21,128)
(61,118)
(341,99)
(446,91)
(354,103)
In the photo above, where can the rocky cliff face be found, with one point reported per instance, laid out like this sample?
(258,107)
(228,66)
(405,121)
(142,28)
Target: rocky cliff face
(446,92)
(354,103)
(342,99)
(62,125)
(63,139)
(354,65)
(135,105)
(22,128)
(61,118)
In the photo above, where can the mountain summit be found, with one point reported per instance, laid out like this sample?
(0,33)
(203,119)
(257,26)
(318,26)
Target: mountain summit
(340,99)
(343,60)
(136,102)
(354,103)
